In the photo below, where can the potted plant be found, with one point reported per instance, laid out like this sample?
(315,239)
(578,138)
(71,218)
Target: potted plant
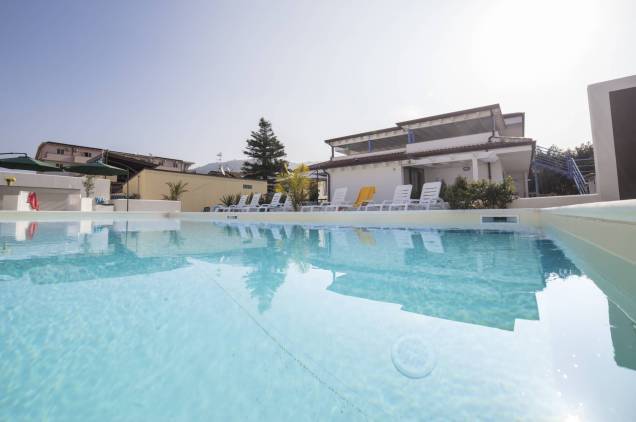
(10,180)
(89,187)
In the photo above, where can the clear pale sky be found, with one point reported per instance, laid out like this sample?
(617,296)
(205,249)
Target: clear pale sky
(190,79)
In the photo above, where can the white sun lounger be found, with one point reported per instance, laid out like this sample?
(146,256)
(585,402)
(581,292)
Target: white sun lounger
(432,241)
(335,204)
(243,232)
(429,197)
(255,231)
(253,205)
(403,239)
(400,201)
(276,232)
(287,205)
(274,203)
(289,231)
(239,204)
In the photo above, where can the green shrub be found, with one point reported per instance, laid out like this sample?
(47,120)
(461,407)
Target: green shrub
(313,192)
(481,194)
(230,199)
(457,195)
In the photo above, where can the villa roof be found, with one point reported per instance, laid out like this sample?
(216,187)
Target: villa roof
(403,155)
(398,125)
(451,114)
(371,132)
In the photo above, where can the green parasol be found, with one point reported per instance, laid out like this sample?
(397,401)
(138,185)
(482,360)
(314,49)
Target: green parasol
(25,162)
(97,168)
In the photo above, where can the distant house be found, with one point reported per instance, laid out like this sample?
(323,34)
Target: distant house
(478,143)
(64,154)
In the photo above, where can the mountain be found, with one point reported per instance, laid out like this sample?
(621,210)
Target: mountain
(233,165)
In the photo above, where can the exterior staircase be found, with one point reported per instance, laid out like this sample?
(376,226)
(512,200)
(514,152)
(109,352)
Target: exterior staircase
(565,165)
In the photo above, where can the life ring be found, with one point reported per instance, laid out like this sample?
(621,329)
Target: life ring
(32,229)
(32,200)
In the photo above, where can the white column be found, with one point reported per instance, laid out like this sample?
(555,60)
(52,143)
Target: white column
(475,169)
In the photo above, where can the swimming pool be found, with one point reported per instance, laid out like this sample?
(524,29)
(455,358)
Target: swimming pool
(179,320)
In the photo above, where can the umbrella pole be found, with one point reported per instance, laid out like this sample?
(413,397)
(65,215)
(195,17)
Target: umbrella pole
(127,187)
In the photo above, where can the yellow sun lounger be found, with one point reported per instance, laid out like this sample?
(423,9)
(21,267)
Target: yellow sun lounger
(364,196)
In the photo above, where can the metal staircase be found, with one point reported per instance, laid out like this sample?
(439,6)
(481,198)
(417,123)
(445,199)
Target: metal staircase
(564,164)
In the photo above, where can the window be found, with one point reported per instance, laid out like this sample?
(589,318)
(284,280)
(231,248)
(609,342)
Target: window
(175,164)
(60,151)
(247,186)
(59,165)
(88,154)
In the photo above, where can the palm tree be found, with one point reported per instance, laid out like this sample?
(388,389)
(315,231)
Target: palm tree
(295,184)
(176,190)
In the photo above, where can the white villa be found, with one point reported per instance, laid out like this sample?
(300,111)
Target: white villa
(479,143)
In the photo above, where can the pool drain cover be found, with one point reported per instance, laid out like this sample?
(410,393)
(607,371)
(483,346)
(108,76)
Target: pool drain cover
(413,356)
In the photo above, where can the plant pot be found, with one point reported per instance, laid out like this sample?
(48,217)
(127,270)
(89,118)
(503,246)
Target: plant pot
(86,204)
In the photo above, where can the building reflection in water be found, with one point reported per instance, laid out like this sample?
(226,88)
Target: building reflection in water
(458,275)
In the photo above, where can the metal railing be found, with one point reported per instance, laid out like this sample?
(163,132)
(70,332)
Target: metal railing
(575,174)
(565,165)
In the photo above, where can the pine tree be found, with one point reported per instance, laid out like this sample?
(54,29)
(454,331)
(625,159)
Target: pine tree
(267,154)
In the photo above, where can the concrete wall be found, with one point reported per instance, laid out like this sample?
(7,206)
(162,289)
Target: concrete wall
(384,177)
(603,135)
(601,237)
(554,201)
(203,190)
(55,193)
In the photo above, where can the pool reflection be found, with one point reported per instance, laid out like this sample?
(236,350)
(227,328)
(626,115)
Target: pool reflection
(457,275)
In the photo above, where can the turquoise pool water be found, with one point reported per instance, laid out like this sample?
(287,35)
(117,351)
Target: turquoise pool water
(179,320)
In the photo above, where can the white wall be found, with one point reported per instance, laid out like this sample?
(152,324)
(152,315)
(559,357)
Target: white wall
(449,173)
(55,193)
(603,135)
(147,205)
(384,177)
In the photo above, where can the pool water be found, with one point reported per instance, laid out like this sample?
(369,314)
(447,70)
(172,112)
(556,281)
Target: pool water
(183,320)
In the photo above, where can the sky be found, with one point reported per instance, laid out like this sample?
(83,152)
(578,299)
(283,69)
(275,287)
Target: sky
(190,79)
